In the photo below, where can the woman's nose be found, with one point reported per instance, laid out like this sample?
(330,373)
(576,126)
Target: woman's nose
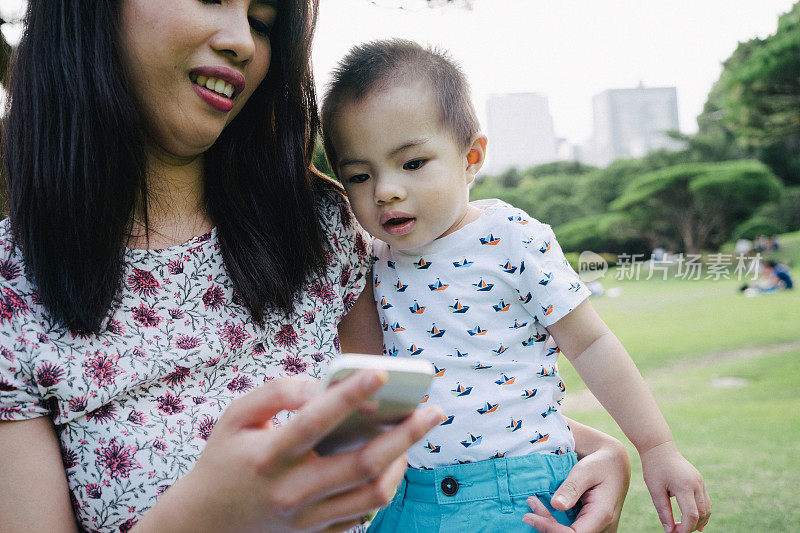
(234,36)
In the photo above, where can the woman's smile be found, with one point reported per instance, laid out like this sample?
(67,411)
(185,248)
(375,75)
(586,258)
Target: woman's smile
(218,86)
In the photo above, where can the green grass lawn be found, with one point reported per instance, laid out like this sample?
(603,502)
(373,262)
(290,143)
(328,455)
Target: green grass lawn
(744,440)
(663,323)
(736,418)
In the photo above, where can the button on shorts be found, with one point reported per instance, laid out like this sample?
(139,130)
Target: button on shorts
(484,496)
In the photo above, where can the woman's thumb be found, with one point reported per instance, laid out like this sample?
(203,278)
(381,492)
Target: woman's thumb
(570,490)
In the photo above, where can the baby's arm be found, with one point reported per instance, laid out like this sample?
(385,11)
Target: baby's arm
(611,375)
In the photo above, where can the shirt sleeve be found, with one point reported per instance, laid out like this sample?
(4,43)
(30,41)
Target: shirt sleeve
(350,249)
(20,397)
(550,289)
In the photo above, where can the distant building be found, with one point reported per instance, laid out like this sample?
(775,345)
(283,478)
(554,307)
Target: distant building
(630,123)
(520,130)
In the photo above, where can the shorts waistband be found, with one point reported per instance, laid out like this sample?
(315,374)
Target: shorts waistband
(494,478)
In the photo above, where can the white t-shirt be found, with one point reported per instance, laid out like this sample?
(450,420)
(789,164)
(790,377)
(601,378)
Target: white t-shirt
(476,304)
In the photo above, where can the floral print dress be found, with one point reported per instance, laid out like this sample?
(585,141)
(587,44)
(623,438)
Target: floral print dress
(134,405)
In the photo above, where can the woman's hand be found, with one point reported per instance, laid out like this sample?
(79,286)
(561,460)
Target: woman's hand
(599,480)
(255,477)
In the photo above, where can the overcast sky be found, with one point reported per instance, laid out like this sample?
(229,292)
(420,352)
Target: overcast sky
(566,50)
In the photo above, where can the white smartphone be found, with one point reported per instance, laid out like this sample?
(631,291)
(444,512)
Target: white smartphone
(408,382)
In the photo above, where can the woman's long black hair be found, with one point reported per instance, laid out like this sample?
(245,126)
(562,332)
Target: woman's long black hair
(74,161)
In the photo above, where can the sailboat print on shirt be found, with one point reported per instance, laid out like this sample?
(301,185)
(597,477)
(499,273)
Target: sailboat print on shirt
(476,331)
(488,408)
(508,268)
(500,349)
(414,350)
(471,440)
(463,264)
(539,438)
(416,309)
(438,286)
(489,240)
(435,332)
(482,286)
(432,448)
(461,390)
(505,380)
(533,339)
(422,264)
(457,307)
(501,306)
(514,425)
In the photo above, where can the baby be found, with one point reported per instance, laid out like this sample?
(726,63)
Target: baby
(478,289)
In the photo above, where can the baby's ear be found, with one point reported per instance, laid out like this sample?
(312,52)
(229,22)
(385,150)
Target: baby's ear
(476,155)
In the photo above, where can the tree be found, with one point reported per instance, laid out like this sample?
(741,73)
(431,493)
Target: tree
(754,107)
(695,206)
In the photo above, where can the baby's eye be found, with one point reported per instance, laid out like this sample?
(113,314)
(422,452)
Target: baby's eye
(358,178)
(414,164)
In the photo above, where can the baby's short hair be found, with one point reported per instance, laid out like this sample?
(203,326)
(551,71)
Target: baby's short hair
(378,64)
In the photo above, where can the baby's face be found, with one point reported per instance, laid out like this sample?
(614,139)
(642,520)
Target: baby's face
(407,179)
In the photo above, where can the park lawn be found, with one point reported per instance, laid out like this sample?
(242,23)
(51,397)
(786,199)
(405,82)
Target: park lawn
(663,323)
(745,441)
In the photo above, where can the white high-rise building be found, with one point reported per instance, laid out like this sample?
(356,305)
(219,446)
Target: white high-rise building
(520,131)
(630,123)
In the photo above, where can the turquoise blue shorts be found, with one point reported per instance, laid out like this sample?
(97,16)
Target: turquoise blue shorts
(483,496)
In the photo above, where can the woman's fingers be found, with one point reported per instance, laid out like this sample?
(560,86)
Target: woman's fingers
(259,406)
(350,469)
(578,481)
(361,500)
(541,519)
(325,411)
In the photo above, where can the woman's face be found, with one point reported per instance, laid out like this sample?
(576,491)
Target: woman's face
(172,47)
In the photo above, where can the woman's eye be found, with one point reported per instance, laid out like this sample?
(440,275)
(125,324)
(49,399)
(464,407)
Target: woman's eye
(259,26)
(414,164)
(358,178)
(211,1)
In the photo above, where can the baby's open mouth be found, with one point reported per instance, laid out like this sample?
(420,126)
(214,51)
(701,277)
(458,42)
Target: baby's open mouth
(397,221)
(217,85)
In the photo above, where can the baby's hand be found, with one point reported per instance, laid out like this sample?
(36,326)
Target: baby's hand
(667,473)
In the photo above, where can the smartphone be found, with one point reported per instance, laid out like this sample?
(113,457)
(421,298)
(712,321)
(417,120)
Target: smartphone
(408,382)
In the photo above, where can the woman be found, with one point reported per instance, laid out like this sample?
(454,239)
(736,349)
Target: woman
(167,251)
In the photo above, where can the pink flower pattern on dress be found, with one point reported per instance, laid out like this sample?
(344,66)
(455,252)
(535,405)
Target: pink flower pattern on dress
(286,337)
(117,460)
(102,369)
(47,374)
(134,405)
(143,283)
(213,298)
(146,316)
